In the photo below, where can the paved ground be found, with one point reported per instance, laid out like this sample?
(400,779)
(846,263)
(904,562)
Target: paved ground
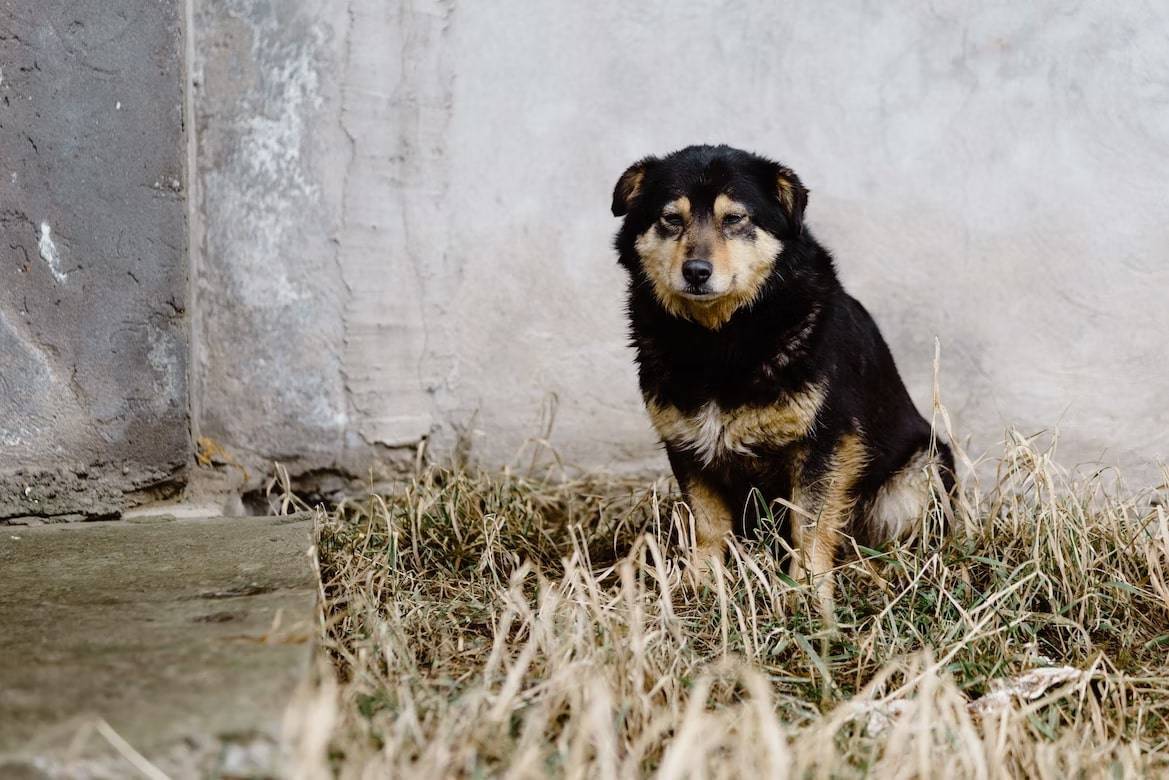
(187,637)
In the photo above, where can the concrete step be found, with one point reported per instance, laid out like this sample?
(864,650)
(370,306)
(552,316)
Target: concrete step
(184,637)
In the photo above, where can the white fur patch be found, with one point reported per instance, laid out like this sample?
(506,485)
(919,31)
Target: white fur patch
(706,434)
(713,433)
(903,499)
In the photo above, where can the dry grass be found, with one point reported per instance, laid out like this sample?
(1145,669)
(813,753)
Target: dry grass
(482,625)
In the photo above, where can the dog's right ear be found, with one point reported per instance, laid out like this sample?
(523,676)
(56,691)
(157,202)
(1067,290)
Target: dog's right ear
(629,186)
(793,196)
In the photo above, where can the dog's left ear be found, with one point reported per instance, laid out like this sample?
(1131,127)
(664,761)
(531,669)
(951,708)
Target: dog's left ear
(793,196)
(629,186)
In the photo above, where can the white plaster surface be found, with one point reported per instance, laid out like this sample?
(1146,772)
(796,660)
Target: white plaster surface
(990,175)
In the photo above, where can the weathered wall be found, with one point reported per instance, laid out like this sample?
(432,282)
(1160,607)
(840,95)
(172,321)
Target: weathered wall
(93,356)
(268,294)
(407,228)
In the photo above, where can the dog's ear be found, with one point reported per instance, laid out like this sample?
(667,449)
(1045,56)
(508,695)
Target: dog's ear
(629,186)
(793,196)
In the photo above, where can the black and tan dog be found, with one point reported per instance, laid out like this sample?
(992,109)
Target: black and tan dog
(758,369)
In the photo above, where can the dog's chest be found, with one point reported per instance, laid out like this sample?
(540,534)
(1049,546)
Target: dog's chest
(714,434)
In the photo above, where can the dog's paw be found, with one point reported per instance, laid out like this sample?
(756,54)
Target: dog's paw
(816,594)
(702,567)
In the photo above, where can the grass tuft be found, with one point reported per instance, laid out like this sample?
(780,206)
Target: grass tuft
(483,625)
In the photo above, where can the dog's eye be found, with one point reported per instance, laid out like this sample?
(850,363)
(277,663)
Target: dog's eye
(673,220)
(733,219)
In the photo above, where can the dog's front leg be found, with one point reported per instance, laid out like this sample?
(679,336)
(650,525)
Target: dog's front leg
(712,524)
(826,497)
(816,538)
(713,521)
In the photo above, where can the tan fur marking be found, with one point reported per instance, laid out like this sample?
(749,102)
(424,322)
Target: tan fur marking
(787,189)
(711,316)
(662,258)
(752,262)
(713,433)
(830,501)
(742,257)
(712,517)
(630,184)
(634,185)
(681,207)
(724,204)
(787,194)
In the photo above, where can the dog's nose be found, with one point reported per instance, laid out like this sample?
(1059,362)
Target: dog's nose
(697,271)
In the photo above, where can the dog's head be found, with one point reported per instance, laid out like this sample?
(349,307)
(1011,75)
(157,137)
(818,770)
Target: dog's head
(705,226)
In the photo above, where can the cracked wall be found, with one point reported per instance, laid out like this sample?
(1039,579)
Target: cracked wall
(407,232)
(93,343)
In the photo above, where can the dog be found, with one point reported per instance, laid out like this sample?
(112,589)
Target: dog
(758,370)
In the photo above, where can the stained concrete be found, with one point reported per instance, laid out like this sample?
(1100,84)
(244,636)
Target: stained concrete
(268,191)
(93,274)
(438,266)
(187,636)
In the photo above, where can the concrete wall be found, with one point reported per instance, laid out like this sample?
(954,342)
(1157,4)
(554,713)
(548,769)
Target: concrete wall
(93,277)
(269,297)
(407,232)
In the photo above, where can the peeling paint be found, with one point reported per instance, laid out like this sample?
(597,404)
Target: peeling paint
(49,252)
(268,197)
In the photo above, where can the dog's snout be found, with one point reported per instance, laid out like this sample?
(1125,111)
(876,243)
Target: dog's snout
(696,272)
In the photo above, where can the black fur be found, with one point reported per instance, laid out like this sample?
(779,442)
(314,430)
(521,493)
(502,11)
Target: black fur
(802,327)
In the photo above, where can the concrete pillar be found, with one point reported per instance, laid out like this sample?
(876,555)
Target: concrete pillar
(93,276)
(268,302)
